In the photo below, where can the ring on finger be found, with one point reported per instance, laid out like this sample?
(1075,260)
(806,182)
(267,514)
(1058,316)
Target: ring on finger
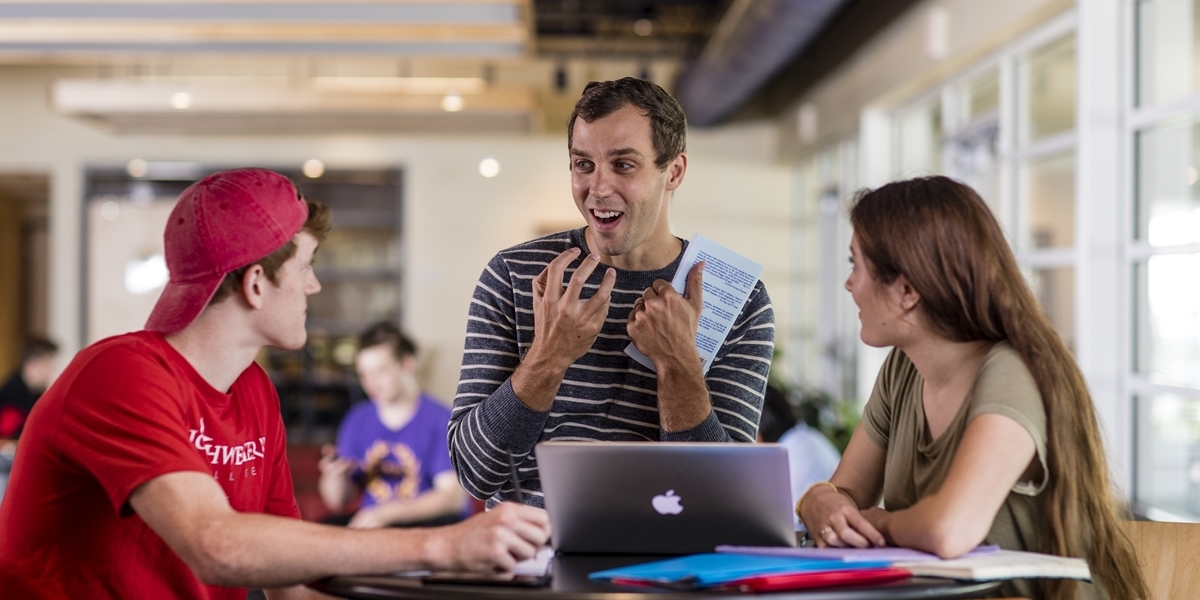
(825,532)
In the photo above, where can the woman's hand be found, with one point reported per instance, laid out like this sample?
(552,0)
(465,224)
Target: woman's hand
(832,519)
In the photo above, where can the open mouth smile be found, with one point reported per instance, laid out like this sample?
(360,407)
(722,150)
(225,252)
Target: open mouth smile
(606,217)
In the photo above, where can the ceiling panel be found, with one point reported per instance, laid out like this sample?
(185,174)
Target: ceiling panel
(480,28)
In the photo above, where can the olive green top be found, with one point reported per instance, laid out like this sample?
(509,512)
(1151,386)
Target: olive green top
(916,465)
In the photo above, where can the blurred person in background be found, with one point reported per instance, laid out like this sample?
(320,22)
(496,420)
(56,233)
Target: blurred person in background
(25,385)
(391,447)
(811,457)
(156,465)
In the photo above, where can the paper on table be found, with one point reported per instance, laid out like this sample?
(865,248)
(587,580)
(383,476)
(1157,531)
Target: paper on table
(849,555)
(537,565)
(728,280)
(1003,564)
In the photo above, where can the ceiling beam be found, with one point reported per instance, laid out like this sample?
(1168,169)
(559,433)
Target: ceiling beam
(257,95)
(61,31)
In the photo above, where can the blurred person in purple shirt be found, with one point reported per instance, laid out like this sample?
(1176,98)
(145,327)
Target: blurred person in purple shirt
(392,446)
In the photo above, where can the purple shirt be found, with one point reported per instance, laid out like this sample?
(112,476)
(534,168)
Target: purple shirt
(395,465)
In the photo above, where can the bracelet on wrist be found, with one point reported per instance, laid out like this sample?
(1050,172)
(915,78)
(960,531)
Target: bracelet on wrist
(800,502)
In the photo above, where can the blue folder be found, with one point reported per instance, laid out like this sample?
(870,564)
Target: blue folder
(702,570)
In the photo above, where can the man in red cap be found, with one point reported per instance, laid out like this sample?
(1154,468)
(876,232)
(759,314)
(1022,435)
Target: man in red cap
(155,466)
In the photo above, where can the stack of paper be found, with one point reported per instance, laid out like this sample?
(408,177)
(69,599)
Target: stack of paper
(1004,564)
(985,563)
(850,555)
(767,569)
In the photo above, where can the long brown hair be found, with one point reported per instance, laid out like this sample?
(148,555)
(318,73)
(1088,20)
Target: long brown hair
(941,236)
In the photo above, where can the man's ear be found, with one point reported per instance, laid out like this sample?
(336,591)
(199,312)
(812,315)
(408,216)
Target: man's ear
(409,364)
(905,294)
(254,286)
(676,171)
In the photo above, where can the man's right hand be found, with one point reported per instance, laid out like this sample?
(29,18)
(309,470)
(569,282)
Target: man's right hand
(564,327)
(494,541)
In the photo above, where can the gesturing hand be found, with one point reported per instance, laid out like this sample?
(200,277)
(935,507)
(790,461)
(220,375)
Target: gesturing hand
(564,326)
(333,465)
(833,520)
(663,323)
(493,541)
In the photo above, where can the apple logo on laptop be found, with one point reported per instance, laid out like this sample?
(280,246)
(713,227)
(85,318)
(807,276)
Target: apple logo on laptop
(667,504)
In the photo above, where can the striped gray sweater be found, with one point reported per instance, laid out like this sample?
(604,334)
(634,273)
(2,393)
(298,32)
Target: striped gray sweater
(604,396)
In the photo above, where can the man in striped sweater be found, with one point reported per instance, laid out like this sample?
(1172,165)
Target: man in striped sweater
(550,319)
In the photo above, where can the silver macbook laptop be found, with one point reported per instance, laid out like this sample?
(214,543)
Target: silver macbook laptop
(665,498)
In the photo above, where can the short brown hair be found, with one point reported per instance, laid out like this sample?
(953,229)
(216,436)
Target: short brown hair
(668,125)
(386,333)
(37,347)
(318,225)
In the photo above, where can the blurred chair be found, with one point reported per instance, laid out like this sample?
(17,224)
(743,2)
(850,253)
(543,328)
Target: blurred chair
(1169,554)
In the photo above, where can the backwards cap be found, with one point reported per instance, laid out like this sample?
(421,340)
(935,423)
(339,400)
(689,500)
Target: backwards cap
(221,223)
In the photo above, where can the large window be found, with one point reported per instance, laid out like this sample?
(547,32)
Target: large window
(820,348)
(1164,258)
(1007,128)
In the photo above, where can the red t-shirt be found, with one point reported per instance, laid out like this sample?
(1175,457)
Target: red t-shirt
(126,410)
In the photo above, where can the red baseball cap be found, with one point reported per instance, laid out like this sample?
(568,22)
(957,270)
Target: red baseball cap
(221,223)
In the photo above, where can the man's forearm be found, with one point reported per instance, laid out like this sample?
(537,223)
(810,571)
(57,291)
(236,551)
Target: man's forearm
(483,435)
(297,592)
(256,550)
(683,400)
(537,379)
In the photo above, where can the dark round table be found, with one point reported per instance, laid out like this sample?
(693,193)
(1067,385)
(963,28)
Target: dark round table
(570,582)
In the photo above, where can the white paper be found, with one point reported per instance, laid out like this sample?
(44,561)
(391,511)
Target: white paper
(536,566)
(728,280)
(1003,564)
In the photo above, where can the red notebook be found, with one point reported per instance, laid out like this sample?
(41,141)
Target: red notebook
(800,581)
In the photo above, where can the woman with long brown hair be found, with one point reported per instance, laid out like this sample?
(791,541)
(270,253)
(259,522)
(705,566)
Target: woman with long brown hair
(980,428)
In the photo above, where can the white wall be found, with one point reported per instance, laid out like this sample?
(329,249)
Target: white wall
(455,219)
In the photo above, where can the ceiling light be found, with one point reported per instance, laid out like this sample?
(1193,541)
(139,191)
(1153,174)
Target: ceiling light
(313,168)
(489,167)
(452,102)
(136,168)
(405,85)
(110,210)
(181,100)
(643,27)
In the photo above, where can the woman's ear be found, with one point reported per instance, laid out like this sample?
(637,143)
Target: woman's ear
(905,295)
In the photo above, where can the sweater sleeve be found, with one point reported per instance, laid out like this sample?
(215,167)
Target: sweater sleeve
(737,378)
(489,422)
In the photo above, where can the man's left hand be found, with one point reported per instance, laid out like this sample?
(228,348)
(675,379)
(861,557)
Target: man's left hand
(663,323)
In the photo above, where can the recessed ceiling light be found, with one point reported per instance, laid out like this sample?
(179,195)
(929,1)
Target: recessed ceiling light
(643,27)
(452,102)
(489,167)
(136,168)
(110,210)
(313,168)
(181,100)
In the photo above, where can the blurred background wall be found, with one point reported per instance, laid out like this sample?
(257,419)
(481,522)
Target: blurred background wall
(437,131)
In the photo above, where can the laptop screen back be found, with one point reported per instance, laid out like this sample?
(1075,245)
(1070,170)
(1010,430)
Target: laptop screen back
(665,498)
